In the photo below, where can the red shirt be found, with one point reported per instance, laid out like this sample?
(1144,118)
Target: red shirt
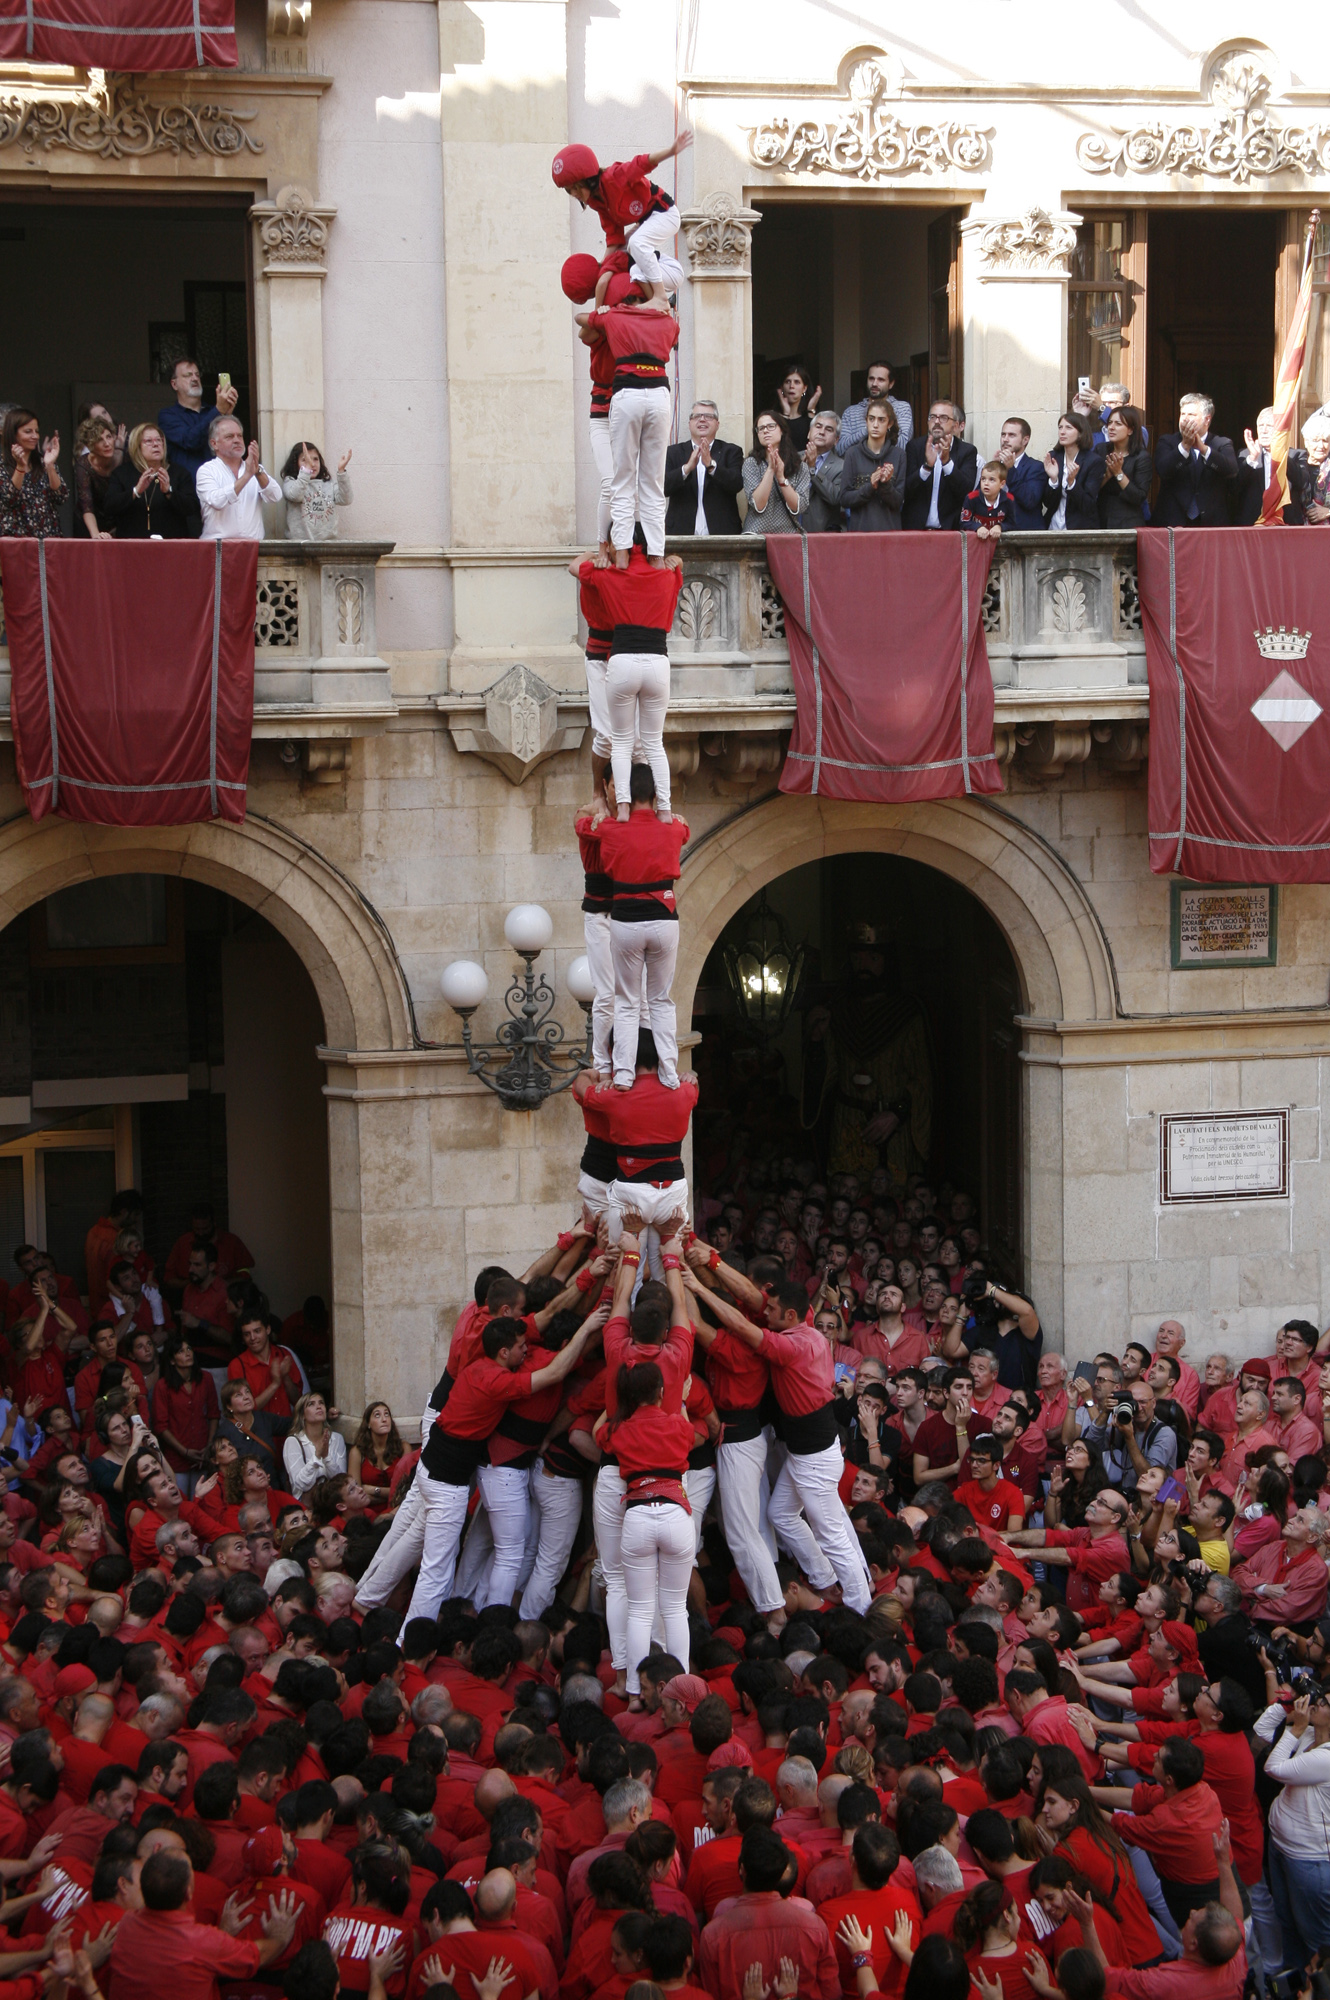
(876,1911)
(997,1507)
(597,892)
(201,1751)
(358,1935)
(1114,1886)
(1092,1562)
(1050,1723)
(1176,1833)
(322,1869)
(673,1356)
(738,1376)
(43,1377)
(1187,1388)
(166,1955)
(935,1439)
(208,1303)
(479,1395)
(641,856)
(647,1125)
(231,1256)
(649,1441)
(622,196)
(803,1371)
(1183,1979)
(763,1929)
(186,1413)
(910,1347)
(641,343)
(638,595)
(258,1374)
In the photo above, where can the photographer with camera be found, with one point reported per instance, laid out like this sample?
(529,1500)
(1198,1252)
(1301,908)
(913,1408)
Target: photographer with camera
(996,1317)
(1297,1862)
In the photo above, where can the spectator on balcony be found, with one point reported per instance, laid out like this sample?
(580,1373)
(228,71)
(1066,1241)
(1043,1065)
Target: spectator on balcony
(824,515)
(312,494)
(940,469)
(1309,475)
(185,424)
(95,460)
(31,488)
(148,498)
(1113,396)
(1255,471)
(872,484)
(1074,472)
(798,400)
(1128,470)
(1197,470)
(703,479)
(233,486)
(1025,475)
(853,423)
(988,510)
(775,479)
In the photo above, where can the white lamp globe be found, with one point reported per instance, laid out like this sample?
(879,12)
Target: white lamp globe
(464,984)
(580,983)
(528,928)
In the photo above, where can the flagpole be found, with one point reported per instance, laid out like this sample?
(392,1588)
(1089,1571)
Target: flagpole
(1288,388)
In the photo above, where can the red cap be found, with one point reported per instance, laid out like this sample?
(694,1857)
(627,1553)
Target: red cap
(1261,1368)
(74,1680)
(687,1689)
(1181,1638)
(574,163)
(578,278)
(621,287)
(733,1752)
(264,1853)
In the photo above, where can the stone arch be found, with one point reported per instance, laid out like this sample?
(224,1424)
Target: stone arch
(339,937)
(1056,940)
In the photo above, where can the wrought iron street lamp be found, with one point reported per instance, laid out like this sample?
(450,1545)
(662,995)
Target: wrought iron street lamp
(764,967)
(537,1066)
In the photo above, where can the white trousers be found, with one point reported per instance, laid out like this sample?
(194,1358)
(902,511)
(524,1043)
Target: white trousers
(602,457)
(598,705)
(657,1552)
(607,1513)
(650,949)
(653,1204)
(650,242)
(596,1195)
(445,1518)
(475,1559)
(558,1504)
(820,1537)
(742,1473)
(639,424)
(505,1491)
(600,958)
(637,694)
(699,1484)
(398,1552)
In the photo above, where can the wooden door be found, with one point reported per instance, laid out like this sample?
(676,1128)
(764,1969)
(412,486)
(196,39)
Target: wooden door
(945,370)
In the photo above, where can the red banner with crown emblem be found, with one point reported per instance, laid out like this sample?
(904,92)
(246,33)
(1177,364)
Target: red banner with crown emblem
(1237,638)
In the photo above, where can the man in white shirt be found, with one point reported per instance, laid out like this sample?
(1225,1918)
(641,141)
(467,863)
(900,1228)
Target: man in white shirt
(232,486)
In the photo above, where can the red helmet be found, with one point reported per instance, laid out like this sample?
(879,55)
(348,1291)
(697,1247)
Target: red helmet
(578,278)
(574,163)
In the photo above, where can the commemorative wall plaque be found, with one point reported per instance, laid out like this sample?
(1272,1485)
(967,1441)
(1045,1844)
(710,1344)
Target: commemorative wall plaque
(1223,1156)
(1223,924)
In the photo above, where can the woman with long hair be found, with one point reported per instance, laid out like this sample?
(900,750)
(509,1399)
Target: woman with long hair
(1073,1485)
(987,1928)
(798,413)
(148,498)
(31,489)
(1075,474)
(1128,470)
(1069,1822)
(1262,1509)
(184,1409)
(658,1535)
(312,1450)
(775,478)
(375,1450)
(312,494)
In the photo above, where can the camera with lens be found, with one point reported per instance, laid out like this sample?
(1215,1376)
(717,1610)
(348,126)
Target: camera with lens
(1279,1653)
(974,1288)
(1124,1411)
(1304,1682)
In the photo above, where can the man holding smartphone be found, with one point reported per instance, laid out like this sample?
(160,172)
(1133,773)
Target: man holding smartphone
(184,423)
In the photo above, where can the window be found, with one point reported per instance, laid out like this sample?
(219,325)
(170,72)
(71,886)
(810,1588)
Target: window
(1102,341)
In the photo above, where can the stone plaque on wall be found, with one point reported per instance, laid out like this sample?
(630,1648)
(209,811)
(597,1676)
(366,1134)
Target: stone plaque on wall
(1223,924)
(1223,1156)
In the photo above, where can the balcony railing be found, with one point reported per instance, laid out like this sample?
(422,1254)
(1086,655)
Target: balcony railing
(1060,613)
(315,635)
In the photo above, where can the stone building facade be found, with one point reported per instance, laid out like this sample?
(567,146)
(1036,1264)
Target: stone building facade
(421,726)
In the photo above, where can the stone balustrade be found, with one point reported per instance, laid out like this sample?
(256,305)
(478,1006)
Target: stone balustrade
(316,656)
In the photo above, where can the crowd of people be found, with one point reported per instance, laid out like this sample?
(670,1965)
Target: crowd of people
(188,476)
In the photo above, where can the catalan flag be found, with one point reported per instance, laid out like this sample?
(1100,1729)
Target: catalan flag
(1287,389)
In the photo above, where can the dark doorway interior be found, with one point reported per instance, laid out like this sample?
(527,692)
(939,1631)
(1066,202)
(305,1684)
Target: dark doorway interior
(945,951)
(1211,291)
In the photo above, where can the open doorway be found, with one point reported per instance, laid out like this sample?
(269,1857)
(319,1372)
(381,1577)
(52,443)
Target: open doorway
(125,289)
(837,285)
(926,1010)
(1211,288)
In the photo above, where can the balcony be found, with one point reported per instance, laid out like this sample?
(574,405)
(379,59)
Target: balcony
(317,667)
(1063,627)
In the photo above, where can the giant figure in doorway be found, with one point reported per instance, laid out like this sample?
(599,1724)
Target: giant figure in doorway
(867,1070)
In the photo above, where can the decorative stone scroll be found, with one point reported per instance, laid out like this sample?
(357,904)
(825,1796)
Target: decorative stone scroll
(293,232)
(520,727)
(868,142)
(1246,141)
(1033,245)
(720,237)
(118,123)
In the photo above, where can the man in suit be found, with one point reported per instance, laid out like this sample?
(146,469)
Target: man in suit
(823,516)
(702,479)
(1197,469)
(1025,475)
(940,469)
(1254,471)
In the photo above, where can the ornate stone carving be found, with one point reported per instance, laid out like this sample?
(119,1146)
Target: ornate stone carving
(1123,746)
(349,592)
(277,611)
(991,609)
(773,613)
(1245,141)
(520,727)
(1067,611)
(700,615)
(1129,596)
(1050,746)
(1033,245)
(293,232)
(720,236)
(118,123)
(288,20)
(868,142)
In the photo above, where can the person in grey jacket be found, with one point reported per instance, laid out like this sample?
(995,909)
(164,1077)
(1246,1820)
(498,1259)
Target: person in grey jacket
(824,515)
(312,494)
(873,473)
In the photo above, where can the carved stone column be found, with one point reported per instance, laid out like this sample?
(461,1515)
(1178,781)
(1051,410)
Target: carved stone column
(720,235)
(290,244)
(1015,288)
